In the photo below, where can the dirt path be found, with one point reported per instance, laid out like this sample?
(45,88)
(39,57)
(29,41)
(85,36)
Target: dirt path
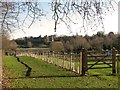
(0,69)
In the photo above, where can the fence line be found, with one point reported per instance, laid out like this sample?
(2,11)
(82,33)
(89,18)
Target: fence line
(77,63)
(65,61)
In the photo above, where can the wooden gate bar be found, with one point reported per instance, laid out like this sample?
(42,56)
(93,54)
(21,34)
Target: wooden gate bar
(97,59)
(99,67)
(101,63)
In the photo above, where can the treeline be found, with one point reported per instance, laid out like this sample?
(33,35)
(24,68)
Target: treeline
(34,42)
(72,43)
(97,42)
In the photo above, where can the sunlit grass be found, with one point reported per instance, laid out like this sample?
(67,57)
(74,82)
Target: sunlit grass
(54,76)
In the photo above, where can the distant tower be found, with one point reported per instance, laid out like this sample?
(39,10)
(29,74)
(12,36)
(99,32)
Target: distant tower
(47,38)
(52,38)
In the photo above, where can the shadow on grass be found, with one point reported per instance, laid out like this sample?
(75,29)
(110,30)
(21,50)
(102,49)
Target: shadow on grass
(56,76)
(29,68)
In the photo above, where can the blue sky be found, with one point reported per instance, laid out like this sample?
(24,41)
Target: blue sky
(46,26)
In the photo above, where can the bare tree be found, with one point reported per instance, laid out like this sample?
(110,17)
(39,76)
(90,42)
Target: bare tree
(81,42)
(5,41)
(57,46)
(13,45)
(68,47)
(97,42)
(91,11)
(18,15)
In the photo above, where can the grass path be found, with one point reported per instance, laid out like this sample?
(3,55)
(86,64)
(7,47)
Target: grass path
(44,75)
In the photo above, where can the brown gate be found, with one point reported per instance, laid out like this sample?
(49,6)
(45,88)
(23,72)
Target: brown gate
(98,58)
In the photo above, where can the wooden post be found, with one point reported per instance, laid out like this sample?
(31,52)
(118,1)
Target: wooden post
(80,65)
(118,63)
(78,70)
(48,56)
(83,62)
(42,55)
(70,61)
(57,55)
(53,55)
(113,61)
(73,66)
(63,59)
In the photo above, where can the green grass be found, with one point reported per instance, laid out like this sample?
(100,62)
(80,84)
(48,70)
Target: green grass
(43,69)
(15,70)
(104,71)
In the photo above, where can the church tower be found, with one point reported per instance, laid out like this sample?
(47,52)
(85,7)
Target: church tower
(52,38)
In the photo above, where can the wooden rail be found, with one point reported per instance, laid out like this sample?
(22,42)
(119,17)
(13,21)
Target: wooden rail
(78,63)
(110,61)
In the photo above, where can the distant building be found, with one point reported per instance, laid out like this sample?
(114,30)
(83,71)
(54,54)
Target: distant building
(52,38)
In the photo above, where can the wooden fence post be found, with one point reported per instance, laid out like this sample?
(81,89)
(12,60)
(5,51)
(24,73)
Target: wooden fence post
(70,61)
(113,61)
(42,55)
(53,55)
(80,65)
(117,63)
(63,59)
(83,62)
(48,56)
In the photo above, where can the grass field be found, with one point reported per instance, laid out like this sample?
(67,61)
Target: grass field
(56,60)
(44,75)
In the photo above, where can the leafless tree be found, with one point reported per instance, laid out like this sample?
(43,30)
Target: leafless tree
(13,45)
(16,14)
(5,41)
(97,42)
(57,46)
(68,46)
(91,11)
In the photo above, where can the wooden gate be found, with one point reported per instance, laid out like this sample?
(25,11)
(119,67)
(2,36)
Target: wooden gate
(98,58)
